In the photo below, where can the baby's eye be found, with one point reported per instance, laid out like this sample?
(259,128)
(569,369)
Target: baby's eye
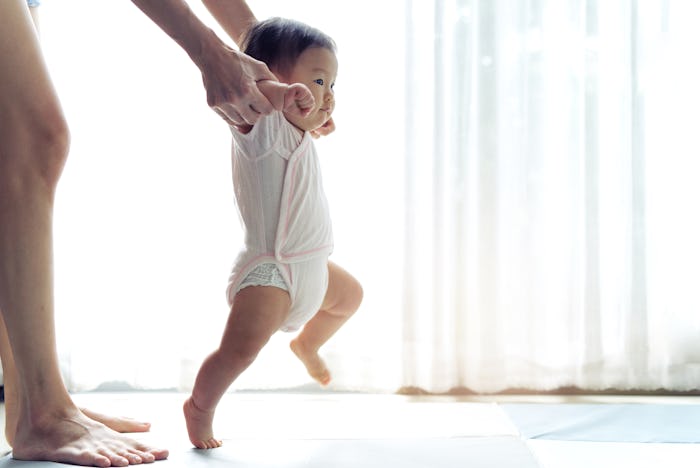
(319,81)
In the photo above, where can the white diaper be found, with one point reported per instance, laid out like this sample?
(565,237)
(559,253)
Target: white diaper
(265,274)
(306,283)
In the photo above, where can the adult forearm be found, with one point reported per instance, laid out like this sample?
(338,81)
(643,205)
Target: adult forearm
(182,25)
(229,76)
(234,16)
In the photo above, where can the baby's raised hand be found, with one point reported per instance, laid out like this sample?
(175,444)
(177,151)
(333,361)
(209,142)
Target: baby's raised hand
(294,99)
(298,100)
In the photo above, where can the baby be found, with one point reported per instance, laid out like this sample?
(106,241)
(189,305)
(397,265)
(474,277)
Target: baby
(282,278)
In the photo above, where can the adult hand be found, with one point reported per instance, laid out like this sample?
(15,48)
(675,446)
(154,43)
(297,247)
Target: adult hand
(229,76)
(230,79)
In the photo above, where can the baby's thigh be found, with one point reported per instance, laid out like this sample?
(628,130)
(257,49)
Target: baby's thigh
(256,314)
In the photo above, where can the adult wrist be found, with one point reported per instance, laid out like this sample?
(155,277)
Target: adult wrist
(206,48)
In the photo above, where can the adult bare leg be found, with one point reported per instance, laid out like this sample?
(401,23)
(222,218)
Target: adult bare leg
(9,374)
(343,298)
(9,382)
(33,148)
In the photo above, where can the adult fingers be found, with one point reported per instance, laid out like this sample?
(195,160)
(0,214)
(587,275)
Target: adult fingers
(259,103)
(230,115)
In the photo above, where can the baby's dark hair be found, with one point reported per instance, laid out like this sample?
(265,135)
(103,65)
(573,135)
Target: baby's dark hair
(280,41)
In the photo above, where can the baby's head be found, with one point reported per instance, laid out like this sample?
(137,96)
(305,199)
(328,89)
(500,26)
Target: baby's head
(297,53)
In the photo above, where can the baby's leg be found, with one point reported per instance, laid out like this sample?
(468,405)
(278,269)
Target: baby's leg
(342,299)
(256,314)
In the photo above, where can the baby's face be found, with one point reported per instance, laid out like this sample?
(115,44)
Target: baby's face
(317,68)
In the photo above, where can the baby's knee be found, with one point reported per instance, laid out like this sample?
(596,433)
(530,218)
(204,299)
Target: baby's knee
(354,294)
(357,294)
(243,350)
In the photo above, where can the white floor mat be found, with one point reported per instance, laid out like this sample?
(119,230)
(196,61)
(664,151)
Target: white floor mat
(326,431)
(268,430)
(567,454)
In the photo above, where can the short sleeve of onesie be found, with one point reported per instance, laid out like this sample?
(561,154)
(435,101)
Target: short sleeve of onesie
(263,137)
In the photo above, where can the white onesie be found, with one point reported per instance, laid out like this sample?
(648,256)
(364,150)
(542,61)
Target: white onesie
(283,212)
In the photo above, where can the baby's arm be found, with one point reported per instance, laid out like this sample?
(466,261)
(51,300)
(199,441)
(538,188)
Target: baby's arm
(295,98)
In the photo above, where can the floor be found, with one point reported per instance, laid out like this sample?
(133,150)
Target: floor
(286,430)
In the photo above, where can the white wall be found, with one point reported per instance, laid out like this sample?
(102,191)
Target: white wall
(145,227)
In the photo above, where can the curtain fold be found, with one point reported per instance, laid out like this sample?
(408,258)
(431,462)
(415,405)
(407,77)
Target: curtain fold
(529,242)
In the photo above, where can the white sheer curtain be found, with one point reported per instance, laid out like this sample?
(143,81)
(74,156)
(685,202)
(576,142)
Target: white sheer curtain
(551,161)
(513,182)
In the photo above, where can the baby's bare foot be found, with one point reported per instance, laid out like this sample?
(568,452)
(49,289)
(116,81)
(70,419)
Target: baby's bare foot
(199,426)
(72,437)
(117,423)
(312,361)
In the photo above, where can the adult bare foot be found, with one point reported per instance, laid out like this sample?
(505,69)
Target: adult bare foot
(71,437)
(199,426)
(117,423)
(312,361)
